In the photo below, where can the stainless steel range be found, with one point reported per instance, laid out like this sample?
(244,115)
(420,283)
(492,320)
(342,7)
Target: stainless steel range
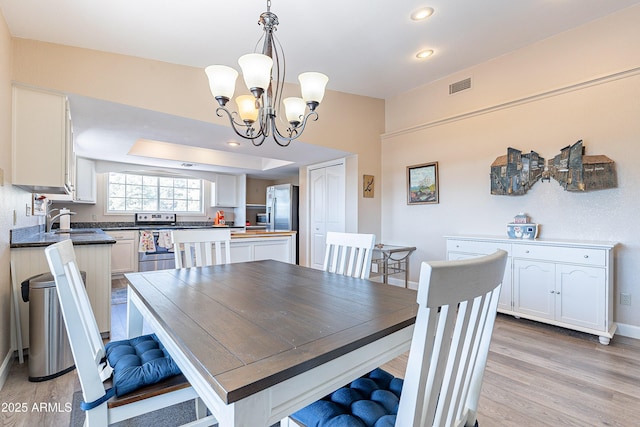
(155,250)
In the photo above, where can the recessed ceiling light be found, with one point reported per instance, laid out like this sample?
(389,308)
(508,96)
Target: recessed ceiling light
(424,54)
(422,13)
(233,143)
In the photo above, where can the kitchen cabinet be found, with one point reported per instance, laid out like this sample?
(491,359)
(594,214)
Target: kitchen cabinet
(224,191)
(84,188)
(564,283)
(42,141)
(85,182)
(94,259)
(124,256)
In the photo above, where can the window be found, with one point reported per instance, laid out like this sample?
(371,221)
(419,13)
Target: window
(146,193)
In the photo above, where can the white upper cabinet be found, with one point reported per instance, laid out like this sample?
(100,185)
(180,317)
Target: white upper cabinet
(224,191)
(85,189)
(42,146)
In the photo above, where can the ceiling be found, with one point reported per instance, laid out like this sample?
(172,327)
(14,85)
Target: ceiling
(364,49)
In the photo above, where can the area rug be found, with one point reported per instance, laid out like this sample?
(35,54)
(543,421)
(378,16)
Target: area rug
(119,296)
(171,416)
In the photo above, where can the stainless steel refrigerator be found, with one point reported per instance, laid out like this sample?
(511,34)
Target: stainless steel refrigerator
(282,209)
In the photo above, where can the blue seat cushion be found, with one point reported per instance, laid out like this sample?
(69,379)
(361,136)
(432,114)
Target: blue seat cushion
(369,401)
(139,362)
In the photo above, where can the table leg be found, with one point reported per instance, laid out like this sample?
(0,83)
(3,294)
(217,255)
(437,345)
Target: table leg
(134,317)
(385,270)
(406,272)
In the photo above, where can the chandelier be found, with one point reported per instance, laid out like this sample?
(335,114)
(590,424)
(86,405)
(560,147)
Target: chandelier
(264,76)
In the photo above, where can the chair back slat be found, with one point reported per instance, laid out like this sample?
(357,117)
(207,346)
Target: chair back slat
(84,336)
(349,254)
(457,307)
(195,248)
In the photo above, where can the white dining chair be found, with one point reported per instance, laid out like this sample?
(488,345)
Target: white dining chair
(115,388)
(195,248)
(349,254)
(457,309)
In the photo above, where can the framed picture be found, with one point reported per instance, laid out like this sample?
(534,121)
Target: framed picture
(367,186)
(422,184)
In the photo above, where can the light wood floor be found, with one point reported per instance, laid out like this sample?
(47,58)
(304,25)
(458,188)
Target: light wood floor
(536,375)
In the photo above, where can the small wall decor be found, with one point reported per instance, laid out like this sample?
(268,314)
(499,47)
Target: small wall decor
(367,186)
(422,184)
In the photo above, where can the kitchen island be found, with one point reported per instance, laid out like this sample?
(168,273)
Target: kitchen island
(93,252)
(254,245)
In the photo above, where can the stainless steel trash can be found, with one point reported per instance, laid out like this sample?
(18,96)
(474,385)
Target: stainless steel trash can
(49,351)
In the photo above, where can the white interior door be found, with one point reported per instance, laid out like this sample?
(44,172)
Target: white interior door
(327,207)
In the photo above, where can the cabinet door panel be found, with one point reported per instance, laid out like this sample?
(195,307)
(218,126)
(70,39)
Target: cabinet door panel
(534,288)
(506,293)
(279,251)
(582,295)
(123,256)
(241,252)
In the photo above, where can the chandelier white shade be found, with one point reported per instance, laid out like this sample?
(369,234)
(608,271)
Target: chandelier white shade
(264,74)
(256,70)
(222,80)
(312,86)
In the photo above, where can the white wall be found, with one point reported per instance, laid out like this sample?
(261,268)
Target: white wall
(595,98)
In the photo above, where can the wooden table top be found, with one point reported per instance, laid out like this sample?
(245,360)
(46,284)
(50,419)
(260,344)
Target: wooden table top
(249,326)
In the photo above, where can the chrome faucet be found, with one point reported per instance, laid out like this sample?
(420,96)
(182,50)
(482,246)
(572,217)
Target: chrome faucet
(51,220)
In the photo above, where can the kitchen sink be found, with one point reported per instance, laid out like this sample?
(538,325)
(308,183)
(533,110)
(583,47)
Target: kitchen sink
(75,231)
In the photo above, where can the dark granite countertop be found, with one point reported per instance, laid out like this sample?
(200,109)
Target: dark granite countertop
(31,237)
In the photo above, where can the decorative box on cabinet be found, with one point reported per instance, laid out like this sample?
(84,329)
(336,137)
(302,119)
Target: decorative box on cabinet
(564,283)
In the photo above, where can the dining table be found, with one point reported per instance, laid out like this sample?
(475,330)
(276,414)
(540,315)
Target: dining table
(260,340)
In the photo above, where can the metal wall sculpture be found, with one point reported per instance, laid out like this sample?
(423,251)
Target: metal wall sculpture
(515,173)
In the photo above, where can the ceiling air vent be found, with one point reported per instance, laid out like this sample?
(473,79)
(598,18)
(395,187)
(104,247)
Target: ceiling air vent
(460,86)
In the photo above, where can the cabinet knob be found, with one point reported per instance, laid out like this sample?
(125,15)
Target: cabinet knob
(457,246)
(586,256)
(552,291)
(558,292)
(527,251)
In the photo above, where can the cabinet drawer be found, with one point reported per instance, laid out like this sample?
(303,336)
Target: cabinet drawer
(122,235)
(561,254)
(474,247)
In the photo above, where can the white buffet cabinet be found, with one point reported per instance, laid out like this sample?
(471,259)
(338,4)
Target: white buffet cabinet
(561,282)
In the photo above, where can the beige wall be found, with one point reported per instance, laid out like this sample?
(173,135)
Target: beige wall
(183,91)
(11,198)
(582,84)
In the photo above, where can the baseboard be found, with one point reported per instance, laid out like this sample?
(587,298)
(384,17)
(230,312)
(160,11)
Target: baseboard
(5,368)
(629,331)
(400,283)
